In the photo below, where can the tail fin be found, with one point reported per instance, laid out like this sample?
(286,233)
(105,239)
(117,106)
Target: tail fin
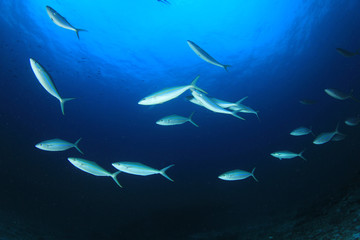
(62,101)
(311,131)
(257,114)
(193,84)
(234,114)
(162,172)
(252,174)
(301,155)
(114,175)
(76,146)
(190,120)
(241,100)
(226,67)
(79,30)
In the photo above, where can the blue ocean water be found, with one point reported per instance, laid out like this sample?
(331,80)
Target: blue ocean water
(280,52)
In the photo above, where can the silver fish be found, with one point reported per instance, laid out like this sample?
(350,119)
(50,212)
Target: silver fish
(61,21)
(346,53)
(352,121)
(93,168)
(168,94)
(175,120)
(301,131)
(205,56)
(326,136)
(340,95)
(237,175)
(55,145)
(287,155)
(207,103)
(140,169)
(45,80)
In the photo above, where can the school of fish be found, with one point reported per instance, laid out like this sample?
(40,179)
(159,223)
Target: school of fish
(199,97)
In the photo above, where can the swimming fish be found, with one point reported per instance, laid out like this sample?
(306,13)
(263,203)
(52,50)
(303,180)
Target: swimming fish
(340,95)
(168,94)
(207,103)
(287,155)
(164,1)
(205,56)
(307,102)
(93,168)
(237,175)
(301,131)
(61,21)
(55,145)
(45,80)
(326,136)
(175,120)
(352,121)
(346,53)
(140,169)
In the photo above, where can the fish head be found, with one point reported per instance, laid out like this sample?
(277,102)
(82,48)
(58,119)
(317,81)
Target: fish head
(223,176)
(50,11)
(40,146)
(73,160)
(34,64)
(145,101)
(160,122)
(118,166)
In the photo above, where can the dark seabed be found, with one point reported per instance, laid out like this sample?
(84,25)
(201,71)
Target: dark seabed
(280,52)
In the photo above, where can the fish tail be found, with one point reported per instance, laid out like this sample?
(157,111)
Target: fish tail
(301,155)
(62,102)
(257,115)
(76,146)
(337,130)
(226,67)
(252,174)
(77,30)
(193,84)
(237,116)
(114,175)
(162,172)
(311,131)
(190,120)
(241,100)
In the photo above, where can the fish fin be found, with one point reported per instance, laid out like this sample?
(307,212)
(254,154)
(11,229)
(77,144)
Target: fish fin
(162,172)
(311,131)
(241,100)
(257,115)
(77,30)
(226,67)
(76,146)
(237,116)
(301,155)
(62,101)
(114,175)
(190,120)
(193,84)
(252,174)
